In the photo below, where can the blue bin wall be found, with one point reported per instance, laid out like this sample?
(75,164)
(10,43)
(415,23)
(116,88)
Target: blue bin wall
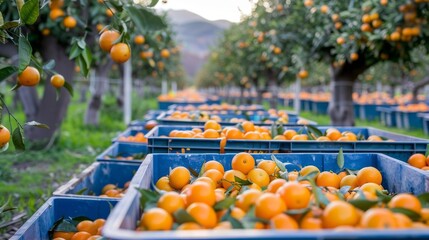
(96,176)
(40,223)
(123,149)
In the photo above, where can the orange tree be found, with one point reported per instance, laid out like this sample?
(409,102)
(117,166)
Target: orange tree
(350,36)
(61,33)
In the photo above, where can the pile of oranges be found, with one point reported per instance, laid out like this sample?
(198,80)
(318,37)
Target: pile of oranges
(248,131)
(218,107)
(261,196)
(418,107)
(113,191)
(138,138)
(129,158)
(87,230)
(419,160)
(205,116)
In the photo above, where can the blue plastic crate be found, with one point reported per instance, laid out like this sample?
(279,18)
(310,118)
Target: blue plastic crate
(368,112)
(425,118)
(255,118)
(401,147)
(356,110)
(165,105)
(92,180)
(40,223)
(387,116)
(131,131)
(123,220)
(124,150)
(240,109)
(411,120)
(320,107)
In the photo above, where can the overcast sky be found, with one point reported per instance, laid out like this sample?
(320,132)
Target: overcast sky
(211,9)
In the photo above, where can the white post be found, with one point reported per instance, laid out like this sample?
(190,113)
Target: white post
(379,87)
(174,86)
(127,92)
(164,87)
(297,101)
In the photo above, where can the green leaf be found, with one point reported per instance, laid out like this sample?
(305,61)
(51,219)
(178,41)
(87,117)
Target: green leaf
(18,139)
(280,129)
(82,64)
(64,225)
(202,170)
(77,220)
(320,196)
(235,224)
(148,197)
(344,189)
(30,12)
(6,72)
(2,208)
(424,199)
(49,65)
(309,177)
(363,204)
(4,147)
(1,17)
(75,51)
(182,216)
(24,52)
(153,3)
(81,44)
(193,172)
(340,159)
(278,163)
(144,19)
(383,197)
(224,204)
(314,131)
(9,25)
(69,88)
(298,211)
(242,182)
(409,213)
(274,132)
(82,191)
(87,56)
(37,124)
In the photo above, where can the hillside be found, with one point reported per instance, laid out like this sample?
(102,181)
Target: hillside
(196,34)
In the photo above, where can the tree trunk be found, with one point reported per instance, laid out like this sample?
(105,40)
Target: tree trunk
(241,102)
(418,86)
(49,111)
(98,88)
(341,109)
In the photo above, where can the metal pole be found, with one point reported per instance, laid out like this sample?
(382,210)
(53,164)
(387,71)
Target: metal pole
(297,101)
(127,92)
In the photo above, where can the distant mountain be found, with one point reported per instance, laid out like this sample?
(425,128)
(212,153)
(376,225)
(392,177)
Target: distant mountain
(196,35)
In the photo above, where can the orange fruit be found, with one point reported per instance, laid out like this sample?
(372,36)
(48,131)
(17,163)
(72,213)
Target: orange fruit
(56,13)
(215,176)
(323,139)
(378,218)
(333,134)
(243,162)
(156,219)
(252,136)
(29,77)
(214,165)
(110,12)
(211,124)
(57,81)
(120,52)
(234,133)
(371,188)
(349,180)
(311,223)
(289,134)
(269,205)
(248,126)
(407,201)
(230,175)
(210,133)
(403,221)
(309,169)
(189,226)
(369,174)
(328,179)
(268,166)
(64,235)
(424,214)
(259,177)
(56,4)
(164,184)
(300,137)
(4,135)
(171,202)
(295,195)
(303,74)
(203,214)
(179,177)
(107,39)
(275,185)
(69,22)
(200,192)
(350,136)
(94,237)
(283,222)
(165,53)
(87,226)
(237,213)
(99,223)
(207,180)
(417,160)
(81,236)
(339,213)
(354,56)
(280,138)
(139,39)
(374,138)
(247,198)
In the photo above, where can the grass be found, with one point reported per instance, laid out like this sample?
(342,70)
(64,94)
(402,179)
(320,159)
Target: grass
(27,179)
